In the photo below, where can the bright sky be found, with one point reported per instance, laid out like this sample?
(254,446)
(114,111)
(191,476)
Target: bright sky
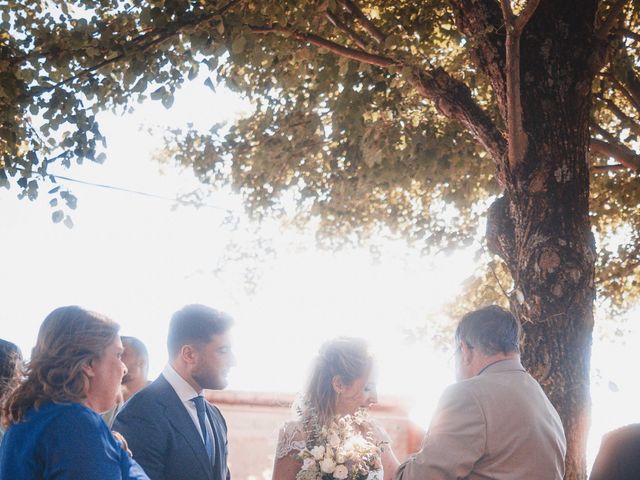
(137,260)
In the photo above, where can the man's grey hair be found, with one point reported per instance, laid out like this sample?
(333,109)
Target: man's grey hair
(492,329)
(137,346)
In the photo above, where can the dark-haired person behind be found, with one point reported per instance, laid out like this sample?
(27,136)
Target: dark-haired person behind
(171,429)
(56,432)
(619,455)
(10,366)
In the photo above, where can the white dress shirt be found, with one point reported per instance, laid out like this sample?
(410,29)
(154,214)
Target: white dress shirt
(186,392)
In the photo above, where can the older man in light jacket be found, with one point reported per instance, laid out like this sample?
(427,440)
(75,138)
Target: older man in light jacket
(496,422)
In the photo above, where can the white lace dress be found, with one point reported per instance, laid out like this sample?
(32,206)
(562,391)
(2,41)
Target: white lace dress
(291,441)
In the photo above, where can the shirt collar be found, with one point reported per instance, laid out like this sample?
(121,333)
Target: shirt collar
(505,365)
(182,388)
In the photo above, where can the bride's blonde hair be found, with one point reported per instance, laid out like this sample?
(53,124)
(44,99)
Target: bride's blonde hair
(344,357)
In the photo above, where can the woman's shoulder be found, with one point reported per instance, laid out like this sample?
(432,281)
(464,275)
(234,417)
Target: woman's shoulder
(291,438)
(69,422)
(291,426)
(74,413)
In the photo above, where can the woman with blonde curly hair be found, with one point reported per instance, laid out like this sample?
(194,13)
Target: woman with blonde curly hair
(55,428)
(342,383)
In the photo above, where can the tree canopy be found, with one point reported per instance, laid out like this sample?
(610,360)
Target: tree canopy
(407,116)
(340,125)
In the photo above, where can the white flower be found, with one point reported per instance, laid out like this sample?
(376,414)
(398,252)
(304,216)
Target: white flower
(308,464)
(327,465)
(340,456)
(340,472)
(317,452)
(334,440)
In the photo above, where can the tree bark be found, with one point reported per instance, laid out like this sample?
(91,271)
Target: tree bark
(541,227)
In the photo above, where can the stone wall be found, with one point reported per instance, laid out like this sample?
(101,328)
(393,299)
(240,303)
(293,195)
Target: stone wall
(254,420)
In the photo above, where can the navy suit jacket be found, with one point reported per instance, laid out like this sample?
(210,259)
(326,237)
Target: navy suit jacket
(164,440)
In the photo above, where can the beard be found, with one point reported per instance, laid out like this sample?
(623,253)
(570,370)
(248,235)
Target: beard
(209,380)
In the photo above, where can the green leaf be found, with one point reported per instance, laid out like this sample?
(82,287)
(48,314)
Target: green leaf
(193,72)
(157,94)
(238,44)
(210,84)
(167,100)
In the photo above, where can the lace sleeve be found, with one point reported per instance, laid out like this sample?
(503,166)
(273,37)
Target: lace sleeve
(290,439)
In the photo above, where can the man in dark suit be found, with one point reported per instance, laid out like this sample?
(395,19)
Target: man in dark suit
(619,455)
(173,432)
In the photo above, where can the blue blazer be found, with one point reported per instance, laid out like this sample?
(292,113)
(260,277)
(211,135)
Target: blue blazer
(64,442)
(164,440)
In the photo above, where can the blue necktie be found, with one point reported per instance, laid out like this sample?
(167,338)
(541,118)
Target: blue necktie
(202,419)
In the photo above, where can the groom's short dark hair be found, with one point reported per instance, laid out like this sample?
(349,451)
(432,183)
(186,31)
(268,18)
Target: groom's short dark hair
(195,325)
(492,329)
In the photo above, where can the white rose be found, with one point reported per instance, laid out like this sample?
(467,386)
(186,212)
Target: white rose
(327,465)
(317,452)
(308,464)
(334,440)
(340,472)
(340,456)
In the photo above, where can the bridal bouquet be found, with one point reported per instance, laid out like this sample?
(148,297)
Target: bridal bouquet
(340,451)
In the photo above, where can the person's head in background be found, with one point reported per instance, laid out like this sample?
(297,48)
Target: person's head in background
(136,359)
(199,346)
(10,368)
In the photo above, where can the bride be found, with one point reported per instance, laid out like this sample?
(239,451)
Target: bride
(341,384)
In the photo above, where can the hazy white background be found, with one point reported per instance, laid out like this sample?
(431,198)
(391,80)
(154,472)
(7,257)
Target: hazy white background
(137,260)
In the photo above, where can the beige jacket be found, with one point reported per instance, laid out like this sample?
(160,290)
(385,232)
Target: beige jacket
(498,425)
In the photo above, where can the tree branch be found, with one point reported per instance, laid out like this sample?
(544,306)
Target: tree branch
(515,24)
(350,53)
(608,168)
(367,24)
(525,15)
(611,148)
(140,45)
(625,91)
(454,100)
(625,120)
(632,82)
(481,22)
(355,38)
(610,21)
(452,97)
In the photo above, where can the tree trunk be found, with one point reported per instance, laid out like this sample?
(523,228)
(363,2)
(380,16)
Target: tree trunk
(541,227)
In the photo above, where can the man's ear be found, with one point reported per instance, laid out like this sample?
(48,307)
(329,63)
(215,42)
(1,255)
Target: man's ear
(467,353)
(189,354)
